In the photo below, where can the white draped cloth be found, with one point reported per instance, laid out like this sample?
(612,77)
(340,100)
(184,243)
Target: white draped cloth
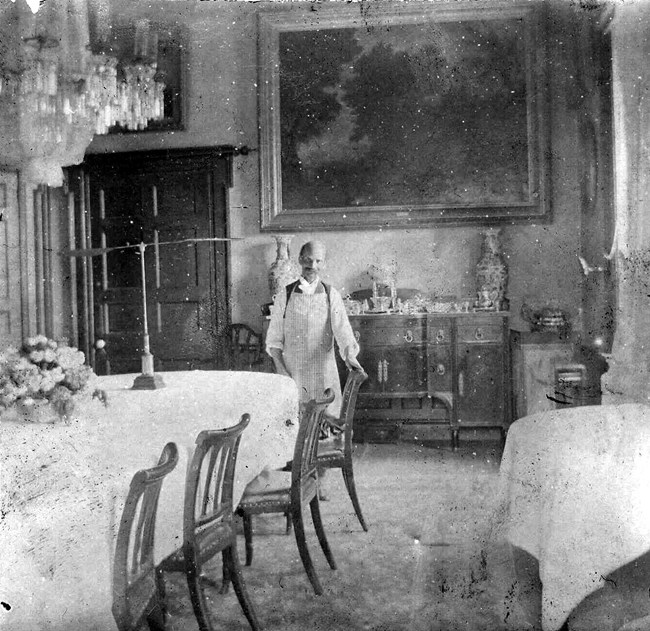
(63,486)
(574,493)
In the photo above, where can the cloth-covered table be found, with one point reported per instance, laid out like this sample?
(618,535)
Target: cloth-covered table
(575,494)
(63,486)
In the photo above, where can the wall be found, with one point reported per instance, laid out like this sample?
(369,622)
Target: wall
(221,108)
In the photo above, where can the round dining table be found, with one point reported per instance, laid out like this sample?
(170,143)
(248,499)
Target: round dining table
(573,494)
(63,485)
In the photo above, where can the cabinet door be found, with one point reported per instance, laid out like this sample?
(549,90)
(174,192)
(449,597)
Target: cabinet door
(405,370)
(372,361)
(480,384)
(394,370)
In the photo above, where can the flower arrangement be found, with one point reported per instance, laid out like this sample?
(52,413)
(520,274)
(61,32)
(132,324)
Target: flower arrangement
(43,371)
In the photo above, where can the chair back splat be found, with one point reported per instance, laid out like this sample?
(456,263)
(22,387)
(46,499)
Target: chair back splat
(209,490)
(350,392)
(136,590)
(330,457)
(245,348)
(208,522)
(304,468)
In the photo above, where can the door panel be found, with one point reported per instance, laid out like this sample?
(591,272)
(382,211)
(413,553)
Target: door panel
(480,384)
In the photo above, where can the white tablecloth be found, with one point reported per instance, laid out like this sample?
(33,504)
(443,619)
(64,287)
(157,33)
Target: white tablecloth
(63,487)
(575,493)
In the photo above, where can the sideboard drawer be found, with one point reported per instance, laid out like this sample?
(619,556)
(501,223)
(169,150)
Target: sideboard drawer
(439,330)
(407,332)
(479,332)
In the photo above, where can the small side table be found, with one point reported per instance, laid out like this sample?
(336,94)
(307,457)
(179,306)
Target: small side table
(536,357)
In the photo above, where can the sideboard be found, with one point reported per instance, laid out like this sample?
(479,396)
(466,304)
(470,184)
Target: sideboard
(449,370)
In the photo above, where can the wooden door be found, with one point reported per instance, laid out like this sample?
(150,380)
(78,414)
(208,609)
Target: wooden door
(157,198)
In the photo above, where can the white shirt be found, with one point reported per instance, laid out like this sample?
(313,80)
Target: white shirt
(308,288)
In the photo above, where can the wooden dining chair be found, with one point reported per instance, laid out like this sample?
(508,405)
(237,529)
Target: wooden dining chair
(208,526)
(281,491)
(333,455)
(245,347)
(137,591)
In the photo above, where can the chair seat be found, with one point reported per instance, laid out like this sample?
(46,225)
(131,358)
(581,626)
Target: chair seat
(331,457)
(219,537)
(271,488)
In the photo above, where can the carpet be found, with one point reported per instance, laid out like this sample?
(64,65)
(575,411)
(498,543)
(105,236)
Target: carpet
(428,563)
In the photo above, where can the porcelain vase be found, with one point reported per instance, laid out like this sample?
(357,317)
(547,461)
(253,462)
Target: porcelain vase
(491,274)
(283,270)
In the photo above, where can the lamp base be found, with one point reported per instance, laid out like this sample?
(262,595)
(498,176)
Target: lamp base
(148,382)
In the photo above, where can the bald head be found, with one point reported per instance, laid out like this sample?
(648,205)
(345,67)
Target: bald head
(313,246)
(312,259)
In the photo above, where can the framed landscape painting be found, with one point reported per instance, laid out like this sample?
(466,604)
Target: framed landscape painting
(401,114)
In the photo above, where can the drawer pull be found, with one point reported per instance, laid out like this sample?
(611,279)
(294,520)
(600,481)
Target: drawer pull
(357,335)
(440,335)
(440,369)
(409,336)
(478,334)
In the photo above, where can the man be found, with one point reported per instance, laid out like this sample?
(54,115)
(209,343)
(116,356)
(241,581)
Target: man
(306,319)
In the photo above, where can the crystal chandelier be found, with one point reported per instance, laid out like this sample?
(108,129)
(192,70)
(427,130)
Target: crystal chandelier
(56,92)
(106,92)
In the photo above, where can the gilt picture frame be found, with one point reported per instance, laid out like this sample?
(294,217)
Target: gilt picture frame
(401,114)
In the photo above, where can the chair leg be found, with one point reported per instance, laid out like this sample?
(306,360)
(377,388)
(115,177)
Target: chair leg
(198,600)
(156,617)
(348,478)
(225,585)
(248,537)
(303,550)
(314,505)
(162,596)
(231,559)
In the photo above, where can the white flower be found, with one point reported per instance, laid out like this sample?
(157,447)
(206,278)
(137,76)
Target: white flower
(34,383)
(69,358)
(21,391)
(57,374)
(41,371)
(47,383)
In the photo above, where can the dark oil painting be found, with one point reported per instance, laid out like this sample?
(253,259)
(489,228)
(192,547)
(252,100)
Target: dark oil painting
(408,114)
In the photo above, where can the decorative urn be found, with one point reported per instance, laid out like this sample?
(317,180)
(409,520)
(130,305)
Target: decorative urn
(283,270)
(491,274)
